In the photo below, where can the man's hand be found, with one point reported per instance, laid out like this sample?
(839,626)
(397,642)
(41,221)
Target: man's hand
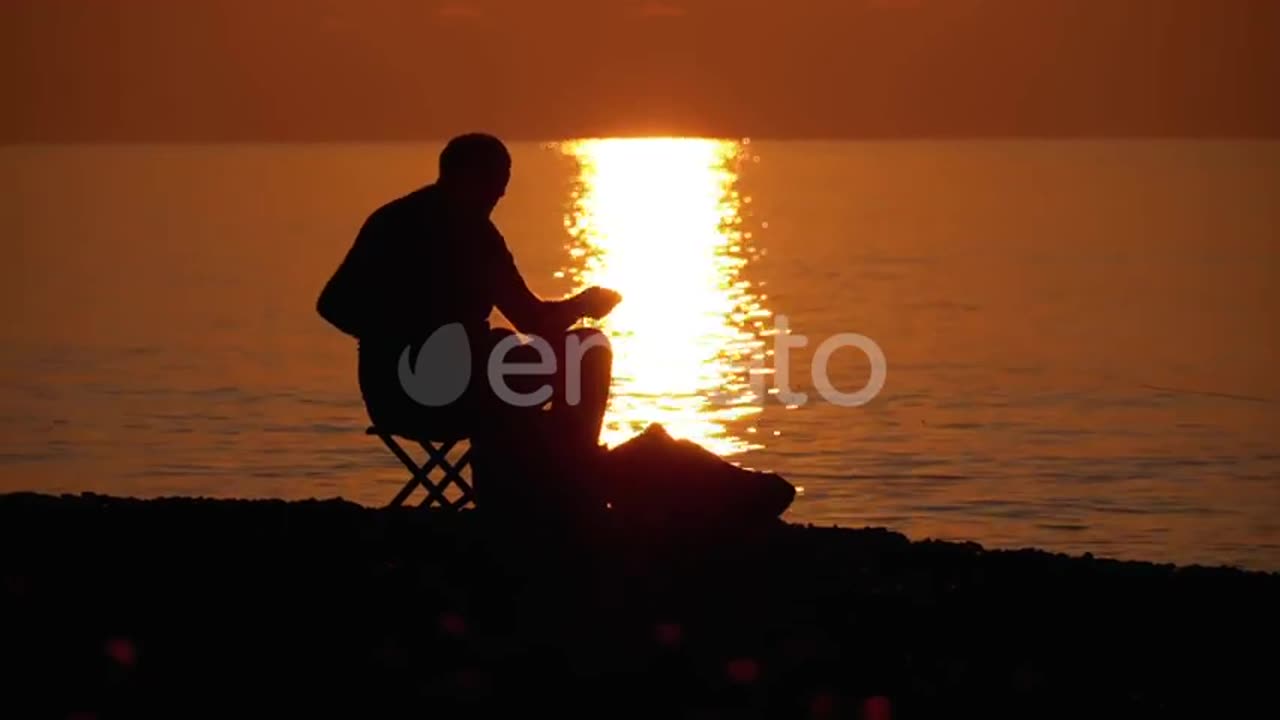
(597,302)
(551,317)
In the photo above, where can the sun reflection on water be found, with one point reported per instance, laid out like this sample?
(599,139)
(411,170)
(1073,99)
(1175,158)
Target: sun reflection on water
(659,220)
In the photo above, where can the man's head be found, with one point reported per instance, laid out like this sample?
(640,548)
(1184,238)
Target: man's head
(475,169)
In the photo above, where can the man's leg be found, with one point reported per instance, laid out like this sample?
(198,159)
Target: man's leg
(586,359)
(507,435)
(578,386)
(537,455)
(503,405)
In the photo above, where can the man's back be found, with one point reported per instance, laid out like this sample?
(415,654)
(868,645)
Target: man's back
(415,266)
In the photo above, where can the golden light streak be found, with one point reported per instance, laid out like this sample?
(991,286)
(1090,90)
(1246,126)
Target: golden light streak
(659,220)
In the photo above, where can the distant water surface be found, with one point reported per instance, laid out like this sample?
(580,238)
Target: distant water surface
(1081,337)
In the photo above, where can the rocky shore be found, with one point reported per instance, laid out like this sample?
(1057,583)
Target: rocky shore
(116,607)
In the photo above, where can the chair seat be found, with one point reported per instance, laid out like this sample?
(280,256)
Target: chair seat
(416,436)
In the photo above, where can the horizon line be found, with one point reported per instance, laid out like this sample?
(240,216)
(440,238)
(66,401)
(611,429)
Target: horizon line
(529,139)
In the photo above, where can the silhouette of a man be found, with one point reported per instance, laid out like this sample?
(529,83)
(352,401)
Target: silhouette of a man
(433,259)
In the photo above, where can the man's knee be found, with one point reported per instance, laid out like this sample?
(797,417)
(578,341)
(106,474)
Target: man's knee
(588,360)
(590,350)
(590,340)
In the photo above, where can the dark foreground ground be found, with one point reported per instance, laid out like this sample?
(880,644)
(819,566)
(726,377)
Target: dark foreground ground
(179,608)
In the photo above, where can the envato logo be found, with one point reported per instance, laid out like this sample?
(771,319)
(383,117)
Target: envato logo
(784,341)
(441,373)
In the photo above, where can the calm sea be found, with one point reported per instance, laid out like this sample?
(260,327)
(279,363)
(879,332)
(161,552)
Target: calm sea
(1080,338)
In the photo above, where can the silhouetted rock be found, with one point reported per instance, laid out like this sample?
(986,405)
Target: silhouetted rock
(657,480)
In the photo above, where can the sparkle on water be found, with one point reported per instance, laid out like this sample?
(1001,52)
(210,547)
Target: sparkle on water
(659,220)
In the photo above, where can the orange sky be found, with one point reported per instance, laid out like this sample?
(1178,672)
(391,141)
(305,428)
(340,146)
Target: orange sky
(400,69)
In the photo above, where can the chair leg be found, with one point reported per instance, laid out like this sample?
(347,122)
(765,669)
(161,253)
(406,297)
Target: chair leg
(468,489)
(421,475)
(436,457)
(408,462)
(453,474)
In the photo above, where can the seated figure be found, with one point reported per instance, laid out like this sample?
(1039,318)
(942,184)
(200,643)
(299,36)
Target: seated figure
(416,290)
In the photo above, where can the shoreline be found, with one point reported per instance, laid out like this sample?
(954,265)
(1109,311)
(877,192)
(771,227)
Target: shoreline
(121,606)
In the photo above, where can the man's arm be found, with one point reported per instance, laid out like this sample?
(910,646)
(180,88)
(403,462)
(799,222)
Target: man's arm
(529,313)
(347,299)
(534,316)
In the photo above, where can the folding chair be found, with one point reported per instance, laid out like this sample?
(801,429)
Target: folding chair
(437,450)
